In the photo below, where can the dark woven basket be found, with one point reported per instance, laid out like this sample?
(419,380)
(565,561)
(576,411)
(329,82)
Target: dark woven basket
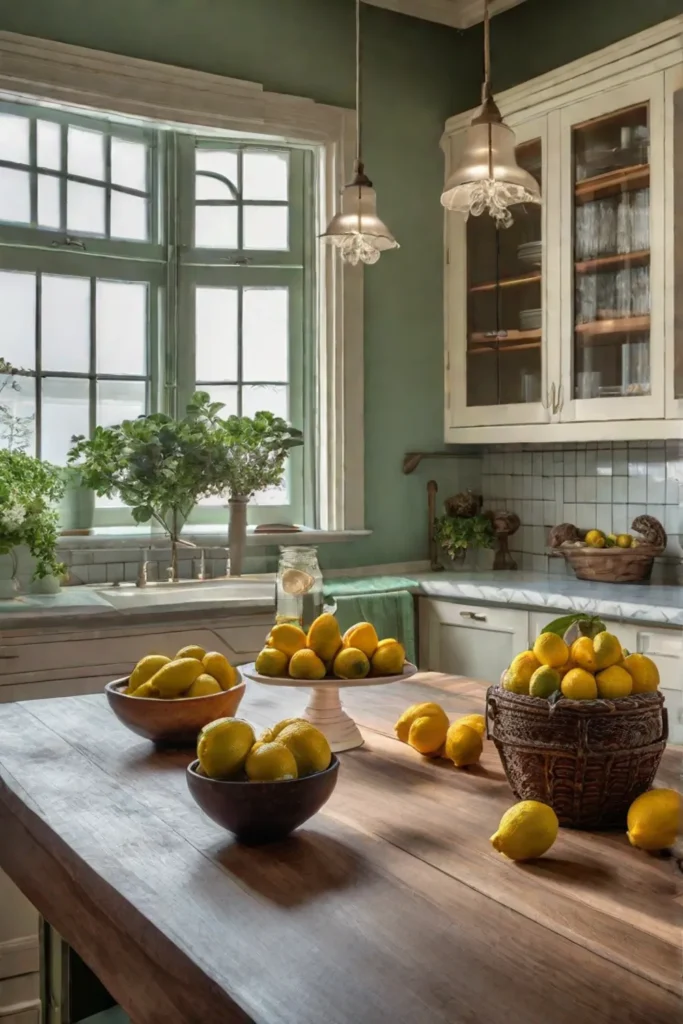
(588,759)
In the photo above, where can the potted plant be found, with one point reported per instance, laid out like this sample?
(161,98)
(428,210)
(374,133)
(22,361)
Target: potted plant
(251,454)
(158,465)
(77,510)
(29,490)
(15,431)
(463,527)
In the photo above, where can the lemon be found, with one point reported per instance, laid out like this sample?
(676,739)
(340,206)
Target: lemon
(526,831)
(145,669)
(427,735)
(308,745)
(324,637)
(306,665)
(268,735)
(287,638)
(388,659)
(607,650)
(624,540)
(223,747)
(476,722)
(614,682)
(146,690)
(643,671)
(595,539)
(583,655)
(270,762)
(203,686)
(218,666)
(351,663)
(518,676)
(544,682)
(415,711)
(579,685)
(550,649)
(653,819)
(463,745)
(363,636)
(177,676)
(272,663)
(191,651)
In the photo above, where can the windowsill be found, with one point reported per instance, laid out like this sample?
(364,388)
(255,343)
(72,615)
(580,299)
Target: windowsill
(205,537)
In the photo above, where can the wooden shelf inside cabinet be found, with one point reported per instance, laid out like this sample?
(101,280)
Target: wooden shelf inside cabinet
(517,347)
(624,178)
(605,328)
(506,282)
(504,341)
(622,259)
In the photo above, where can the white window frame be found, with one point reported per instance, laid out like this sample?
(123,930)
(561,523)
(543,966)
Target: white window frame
(113,85)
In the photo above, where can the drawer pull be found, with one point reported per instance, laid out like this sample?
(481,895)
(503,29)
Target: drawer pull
(473,615)
(7,657)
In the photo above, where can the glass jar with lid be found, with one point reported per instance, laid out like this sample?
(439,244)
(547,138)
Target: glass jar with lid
(299,586)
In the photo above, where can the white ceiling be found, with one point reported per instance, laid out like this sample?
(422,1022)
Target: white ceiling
(456,13)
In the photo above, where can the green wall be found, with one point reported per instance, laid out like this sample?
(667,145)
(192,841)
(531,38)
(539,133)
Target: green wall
(306,47)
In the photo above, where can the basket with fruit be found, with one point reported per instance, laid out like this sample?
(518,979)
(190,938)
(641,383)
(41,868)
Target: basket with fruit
(579,723)
(608,557)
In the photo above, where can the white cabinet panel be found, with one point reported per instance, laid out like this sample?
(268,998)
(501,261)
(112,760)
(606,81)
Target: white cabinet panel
(469,640)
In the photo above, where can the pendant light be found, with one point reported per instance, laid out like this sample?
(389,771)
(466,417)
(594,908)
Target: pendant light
(357,231)
(489,177)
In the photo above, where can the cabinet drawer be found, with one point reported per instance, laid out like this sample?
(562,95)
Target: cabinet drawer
(664,646)
(470,640)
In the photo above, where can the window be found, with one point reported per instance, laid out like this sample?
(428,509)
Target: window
(140,263)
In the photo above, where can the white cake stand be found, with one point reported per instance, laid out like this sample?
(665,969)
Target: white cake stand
(324,708)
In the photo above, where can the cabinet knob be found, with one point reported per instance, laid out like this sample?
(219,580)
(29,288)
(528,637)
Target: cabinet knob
(473,615)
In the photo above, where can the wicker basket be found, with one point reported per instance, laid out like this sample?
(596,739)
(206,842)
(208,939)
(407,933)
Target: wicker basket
(588,759)
(612,565)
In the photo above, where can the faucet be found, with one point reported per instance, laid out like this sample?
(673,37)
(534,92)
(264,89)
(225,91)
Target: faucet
(141,581)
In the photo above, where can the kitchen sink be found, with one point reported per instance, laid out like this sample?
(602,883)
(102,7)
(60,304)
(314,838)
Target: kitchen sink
(242,591)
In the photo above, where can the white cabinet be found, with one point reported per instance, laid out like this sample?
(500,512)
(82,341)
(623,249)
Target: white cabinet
(473,641)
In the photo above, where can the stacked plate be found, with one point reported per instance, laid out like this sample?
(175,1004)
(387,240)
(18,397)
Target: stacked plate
(531,252)
(531,320)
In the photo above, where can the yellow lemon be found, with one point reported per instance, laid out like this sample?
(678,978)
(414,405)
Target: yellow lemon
(595,539)
(145,669)
(218,666)
(583,655)
(223,747)
(551,650)
(463,745)
(415,711)
(624,540)
(272,663)
(388,659)
(203,686)
(614,682)
(427,735)
(363,636)
(173,679)
(146,690)
(579,685)
(191,651)
(518,676)
(308,745)
(476,722)
(544,682)
(526,831)
(324,637)
(270,762)
(268,735)
(287,638)
(306,665)
(653,819)
(567,667)
(607,650)
(643,671)
(351,663)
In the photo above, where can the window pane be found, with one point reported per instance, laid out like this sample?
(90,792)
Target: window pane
(18,305)
(265,334)
(48,202)
(14,138)
(265,398)
(128,216)
(216,334)
(220,161)
(15,196)
(64,413)
(65,324)
(266,227)
(225,393)
(85,153)
(121,327)
(85,208)
(129,164)
(265,176)
(216,227)
(49,145)
(119,400)
(19,401)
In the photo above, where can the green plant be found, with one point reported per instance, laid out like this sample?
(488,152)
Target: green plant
(15,431)
(457,533)
(29,490)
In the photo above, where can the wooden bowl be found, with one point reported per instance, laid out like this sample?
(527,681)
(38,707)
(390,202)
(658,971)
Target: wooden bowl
(261,812)
(174,723)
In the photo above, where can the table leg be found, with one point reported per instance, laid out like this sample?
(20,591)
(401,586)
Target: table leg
(325,711)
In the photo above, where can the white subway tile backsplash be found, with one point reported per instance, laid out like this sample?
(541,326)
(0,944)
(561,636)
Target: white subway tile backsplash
(548,488)
(603,519)
(656,487)
(620,462)
(96,574)
(620,520)
(586,515)
(581,463)
(586,488)
(637,488)
(569,463)
(604,489)
(620,490)
(569,488)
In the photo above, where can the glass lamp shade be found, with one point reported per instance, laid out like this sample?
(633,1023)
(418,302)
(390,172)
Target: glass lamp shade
(488,176)
(357,231)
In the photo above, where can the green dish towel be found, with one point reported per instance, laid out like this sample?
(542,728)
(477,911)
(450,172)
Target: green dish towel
(391,614)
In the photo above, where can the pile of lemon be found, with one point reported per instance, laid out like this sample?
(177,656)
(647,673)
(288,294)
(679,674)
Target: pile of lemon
(427,729)
(586,669)
(323,651)
(193,672)
(292,749)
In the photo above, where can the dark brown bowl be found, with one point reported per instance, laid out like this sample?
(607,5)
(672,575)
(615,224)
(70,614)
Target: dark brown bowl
(174,723)
(261,812)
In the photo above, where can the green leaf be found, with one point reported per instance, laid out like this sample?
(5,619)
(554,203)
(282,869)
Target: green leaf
(561,625)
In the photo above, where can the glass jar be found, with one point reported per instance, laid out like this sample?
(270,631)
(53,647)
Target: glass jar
(299,586)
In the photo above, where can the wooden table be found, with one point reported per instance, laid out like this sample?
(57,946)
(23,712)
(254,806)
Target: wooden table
(390,906)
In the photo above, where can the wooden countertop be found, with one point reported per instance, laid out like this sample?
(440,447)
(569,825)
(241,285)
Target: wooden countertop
(389,906)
